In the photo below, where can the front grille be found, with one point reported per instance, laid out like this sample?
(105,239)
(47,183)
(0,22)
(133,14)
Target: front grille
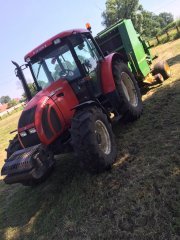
(55,120)
(45,125)
(27,117)
(30,140)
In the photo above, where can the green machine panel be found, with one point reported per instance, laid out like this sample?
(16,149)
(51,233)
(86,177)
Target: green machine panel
(122,38)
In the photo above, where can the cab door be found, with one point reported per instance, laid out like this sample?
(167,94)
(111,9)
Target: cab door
(89,58)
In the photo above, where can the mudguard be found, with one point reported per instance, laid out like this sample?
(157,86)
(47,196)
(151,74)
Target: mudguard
(107,79)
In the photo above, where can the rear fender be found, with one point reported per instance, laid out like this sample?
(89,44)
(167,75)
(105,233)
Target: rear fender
(107,79)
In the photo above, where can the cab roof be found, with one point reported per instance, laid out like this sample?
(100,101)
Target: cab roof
(50,41)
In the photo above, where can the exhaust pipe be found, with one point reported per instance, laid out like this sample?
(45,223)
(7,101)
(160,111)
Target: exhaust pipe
(20,75)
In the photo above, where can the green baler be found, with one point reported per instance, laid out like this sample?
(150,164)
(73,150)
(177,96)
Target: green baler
(123,38)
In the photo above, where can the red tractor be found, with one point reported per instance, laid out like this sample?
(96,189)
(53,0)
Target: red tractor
(81,93)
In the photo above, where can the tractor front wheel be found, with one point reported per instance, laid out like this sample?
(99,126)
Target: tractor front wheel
(93,140)
(14,145)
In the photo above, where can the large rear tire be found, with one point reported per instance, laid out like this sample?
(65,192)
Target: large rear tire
(130,103)
(93,140)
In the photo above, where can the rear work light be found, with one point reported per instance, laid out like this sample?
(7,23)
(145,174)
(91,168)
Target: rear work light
(57,41)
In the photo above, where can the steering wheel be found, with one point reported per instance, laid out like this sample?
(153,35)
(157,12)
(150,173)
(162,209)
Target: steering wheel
(67,73)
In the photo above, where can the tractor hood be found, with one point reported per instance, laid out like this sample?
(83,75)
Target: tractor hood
(47,92)
(47,114)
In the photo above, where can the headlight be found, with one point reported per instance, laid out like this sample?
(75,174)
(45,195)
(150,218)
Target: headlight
(32,130)
(23,134)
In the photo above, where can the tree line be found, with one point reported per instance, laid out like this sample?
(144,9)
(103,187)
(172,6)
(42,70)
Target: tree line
(7,100)
(145,22)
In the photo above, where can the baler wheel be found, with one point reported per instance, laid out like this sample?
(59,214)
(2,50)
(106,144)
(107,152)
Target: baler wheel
(163,68)
(130,103)
(93,140)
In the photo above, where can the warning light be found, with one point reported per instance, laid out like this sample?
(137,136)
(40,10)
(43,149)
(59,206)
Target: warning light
(88,26)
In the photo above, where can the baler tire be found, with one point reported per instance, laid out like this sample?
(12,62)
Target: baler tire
(14,145)
(130,102)
(93,140)
(163,68)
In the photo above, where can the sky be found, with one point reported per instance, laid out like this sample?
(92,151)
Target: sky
(26,24)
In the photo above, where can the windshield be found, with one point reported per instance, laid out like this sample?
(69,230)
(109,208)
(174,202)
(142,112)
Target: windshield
(54,65)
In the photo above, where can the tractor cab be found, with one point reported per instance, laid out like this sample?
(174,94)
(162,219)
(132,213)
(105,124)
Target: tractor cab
(73,56)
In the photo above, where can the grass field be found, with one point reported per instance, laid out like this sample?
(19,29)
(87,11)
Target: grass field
(7,125)
(137,199)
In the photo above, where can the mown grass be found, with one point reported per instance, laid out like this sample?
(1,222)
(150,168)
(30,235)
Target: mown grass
(137,199)
(11,113)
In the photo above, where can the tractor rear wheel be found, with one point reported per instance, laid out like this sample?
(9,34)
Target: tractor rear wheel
(163,68)
(130,103)
(93,140)
(14,145)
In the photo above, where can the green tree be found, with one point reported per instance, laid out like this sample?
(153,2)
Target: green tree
(150,24)
(32,88)
(12,103)
(166,18)
(122,9)
(146,23)
(5,99)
